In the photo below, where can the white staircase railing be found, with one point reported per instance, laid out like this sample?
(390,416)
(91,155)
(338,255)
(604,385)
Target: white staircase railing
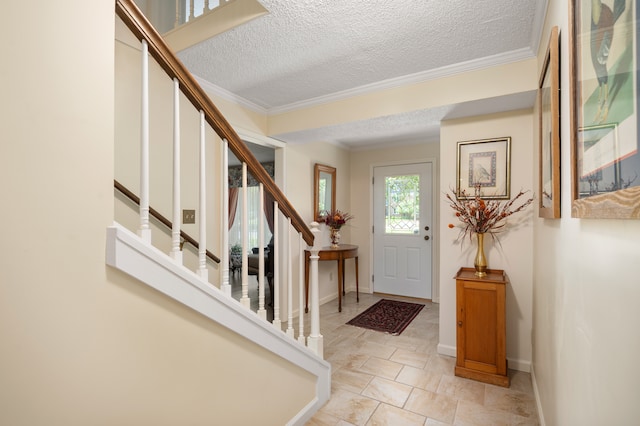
(188,10)
(151,44)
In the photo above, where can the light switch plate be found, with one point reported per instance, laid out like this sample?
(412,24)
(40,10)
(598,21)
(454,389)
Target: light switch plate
(188,216)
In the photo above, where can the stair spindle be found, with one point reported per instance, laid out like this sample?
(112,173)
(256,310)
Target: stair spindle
(144,231)
(224,226)
(176,252)
(290,332)
(277,323)
(202,251)
(301,338)
(262,313)
(246,302)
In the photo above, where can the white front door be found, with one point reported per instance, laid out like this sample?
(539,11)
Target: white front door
(402,244)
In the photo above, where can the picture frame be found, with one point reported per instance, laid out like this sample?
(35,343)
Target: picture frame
(549,131)
(486,162)
(604,105)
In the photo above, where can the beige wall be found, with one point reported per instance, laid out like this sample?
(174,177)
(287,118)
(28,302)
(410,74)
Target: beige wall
(354,172)
(83,343)
(585,346)
(127,153)
(513,253)
(299,178)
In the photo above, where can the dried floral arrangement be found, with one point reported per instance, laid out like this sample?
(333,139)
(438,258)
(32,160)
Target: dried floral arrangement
(484,216)
(335,218)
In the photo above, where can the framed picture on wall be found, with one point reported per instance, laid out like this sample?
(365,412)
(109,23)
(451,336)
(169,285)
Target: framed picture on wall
(603,62)
(485,163)
(549,131)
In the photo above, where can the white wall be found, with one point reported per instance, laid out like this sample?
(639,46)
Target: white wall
(513,254)
(585,346)
(83,343)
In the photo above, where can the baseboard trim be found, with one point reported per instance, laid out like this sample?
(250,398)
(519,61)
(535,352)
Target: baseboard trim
(519,364)
(447,350)
(514,364)
(536,395)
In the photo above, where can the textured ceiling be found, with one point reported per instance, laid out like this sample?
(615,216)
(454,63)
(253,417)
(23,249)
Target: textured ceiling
(307,50)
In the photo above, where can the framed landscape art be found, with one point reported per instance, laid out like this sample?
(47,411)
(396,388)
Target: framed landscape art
(603,62)
(549,131)
(486,163)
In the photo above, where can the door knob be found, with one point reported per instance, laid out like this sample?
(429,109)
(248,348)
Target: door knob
(426,237)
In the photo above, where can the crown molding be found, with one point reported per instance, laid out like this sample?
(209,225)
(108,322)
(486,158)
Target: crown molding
(460,68)
(420,77)
(229,96)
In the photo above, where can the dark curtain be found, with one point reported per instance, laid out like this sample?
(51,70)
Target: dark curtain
(233,205)
(268,210)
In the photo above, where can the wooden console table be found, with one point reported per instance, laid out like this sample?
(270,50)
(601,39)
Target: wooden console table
(481,318)
(344,251)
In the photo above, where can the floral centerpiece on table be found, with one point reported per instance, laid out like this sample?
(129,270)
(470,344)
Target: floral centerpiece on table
(335,219)
(481,217)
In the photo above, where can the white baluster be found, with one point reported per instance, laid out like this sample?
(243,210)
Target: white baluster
(144,231)
(277,323)
(191,14)
(224,231)
(177,20)
(246,302)
(301,338)
(176,252)
(315,340)
(289,285)
(202,250)
(262,313)
(206,7)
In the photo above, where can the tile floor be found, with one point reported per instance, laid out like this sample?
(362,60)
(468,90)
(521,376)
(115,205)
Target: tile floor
(379,379)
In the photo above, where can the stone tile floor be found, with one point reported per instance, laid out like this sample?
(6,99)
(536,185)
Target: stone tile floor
(379,379)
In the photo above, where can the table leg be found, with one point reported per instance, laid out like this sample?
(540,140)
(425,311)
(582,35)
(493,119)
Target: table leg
(340,283)
(343,268)
(357,289)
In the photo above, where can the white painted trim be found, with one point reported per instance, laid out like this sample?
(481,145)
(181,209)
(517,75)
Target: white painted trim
(258,138)
(536,394)
(447,350)
(229,96)
(519,364)
(126,252)
(304,415)
(514,364)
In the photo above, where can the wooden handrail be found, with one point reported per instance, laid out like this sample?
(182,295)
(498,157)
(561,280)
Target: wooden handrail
(143,30)
(166,222)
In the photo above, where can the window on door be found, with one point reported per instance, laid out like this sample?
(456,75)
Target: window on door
(402,204)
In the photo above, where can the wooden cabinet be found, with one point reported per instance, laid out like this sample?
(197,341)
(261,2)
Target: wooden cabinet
(481,326)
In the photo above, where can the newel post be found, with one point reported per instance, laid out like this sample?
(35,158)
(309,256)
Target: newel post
(314,341)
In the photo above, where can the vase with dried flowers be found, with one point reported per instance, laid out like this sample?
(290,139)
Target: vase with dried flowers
(480,217)
(335,219)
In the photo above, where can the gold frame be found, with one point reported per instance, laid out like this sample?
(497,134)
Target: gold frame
(549,131)
(319,170)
